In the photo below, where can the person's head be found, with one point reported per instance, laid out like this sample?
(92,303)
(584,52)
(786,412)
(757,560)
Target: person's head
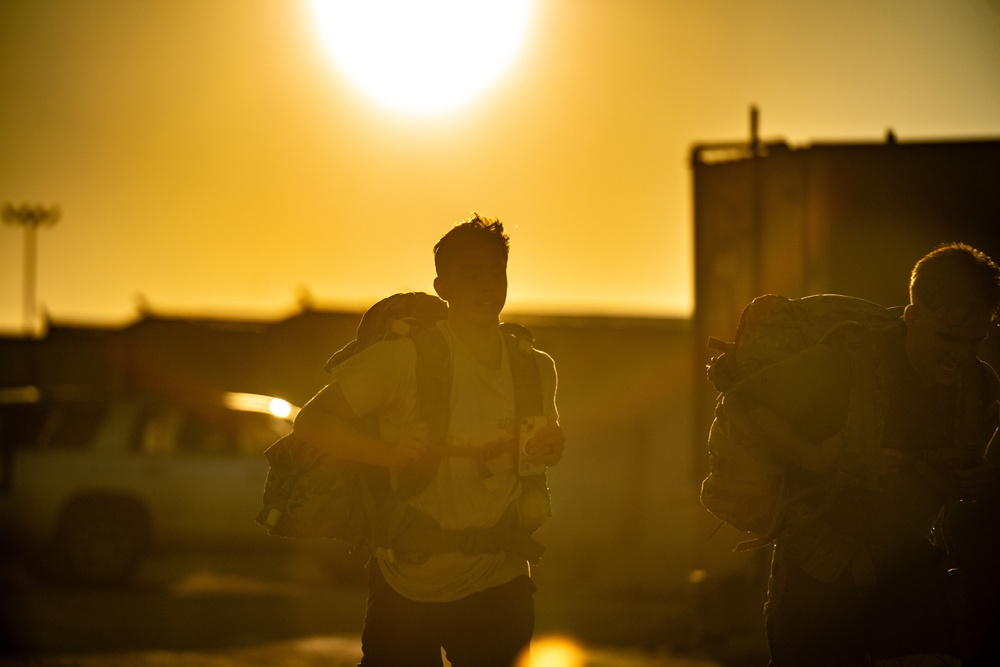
(471,264)
(954,300)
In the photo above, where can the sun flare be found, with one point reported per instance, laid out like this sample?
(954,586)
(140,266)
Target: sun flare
(423,56)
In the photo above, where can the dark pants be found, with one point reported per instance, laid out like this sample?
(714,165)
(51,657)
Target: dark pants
(910,611)
(486,629)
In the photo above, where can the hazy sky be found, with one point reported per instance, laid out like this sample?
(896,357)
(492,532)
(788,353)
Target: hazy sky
(209,158)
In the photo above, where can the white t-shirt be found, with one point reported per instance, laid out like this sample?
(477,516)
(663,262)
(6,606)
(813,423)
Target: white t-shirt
(381,380)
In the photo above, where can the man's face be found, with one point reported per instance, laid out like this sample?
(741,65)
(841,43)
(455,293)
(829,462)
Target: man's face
(941,343)
(475,286)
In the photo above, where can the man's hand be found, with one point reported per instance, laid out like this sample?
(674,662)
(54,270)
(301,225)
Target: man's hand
(820,458)
(546,445)
(972,482)
(409,449)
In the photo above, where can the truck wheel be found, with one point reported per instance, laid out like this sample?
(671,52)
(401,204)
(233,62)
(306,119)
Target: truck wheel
(100,541)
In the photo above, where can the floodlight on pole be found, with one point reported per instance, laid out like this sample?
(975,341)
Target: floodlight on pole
(30,218)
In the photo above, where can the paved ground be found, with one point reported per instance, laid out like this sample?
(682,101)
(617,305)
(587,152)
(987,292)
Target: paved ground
(343,651)
(246,610)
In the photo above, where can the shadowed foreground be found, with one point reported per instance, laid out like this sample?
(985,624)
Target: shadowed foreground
(226,610)
(333,651)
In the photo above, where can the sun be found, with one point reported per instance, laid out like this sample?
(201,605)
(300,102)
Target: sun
(423,56)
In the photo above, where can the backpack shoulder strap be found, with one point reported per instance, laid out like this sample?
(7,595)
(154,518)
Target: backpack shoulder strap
(528,398)
(434,377)
(978,413)
(405,530)
(433,382)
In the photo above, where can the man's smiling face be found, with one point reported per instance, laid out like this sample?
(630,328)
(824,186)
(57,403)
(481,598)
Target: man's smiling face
(475,286)
(940,343)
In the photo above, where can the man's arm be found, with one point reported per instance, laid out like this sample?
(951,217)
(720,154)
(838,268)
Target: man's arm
(548,443)
(327,423)
(772,432)
(973,482)
(796,408)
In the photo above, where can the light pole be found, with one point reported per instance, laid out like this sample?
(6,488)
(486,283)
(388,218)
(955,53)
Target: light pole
(30,218)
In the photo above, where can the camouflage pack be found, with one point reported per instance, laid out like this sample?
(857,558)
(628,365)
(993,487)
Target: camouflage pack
(747,487)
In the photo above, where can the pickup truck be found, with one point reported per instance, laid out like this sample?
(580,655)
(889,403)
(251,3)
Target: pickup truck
(91,480)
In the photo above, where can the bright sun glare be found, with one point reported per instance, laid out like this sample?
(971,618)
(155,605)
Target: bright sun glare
(423,56)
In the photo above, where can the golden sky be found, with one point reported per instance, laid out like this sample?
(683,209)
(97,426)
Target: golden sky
(208,157)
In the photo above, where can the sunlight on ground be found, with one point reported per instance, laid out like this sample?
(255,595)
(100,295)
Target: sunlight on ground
(345,651)
(554,651)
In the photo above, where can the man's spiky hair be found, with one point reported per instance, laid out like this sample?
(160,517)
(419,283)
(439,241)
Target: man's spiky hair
(474,230)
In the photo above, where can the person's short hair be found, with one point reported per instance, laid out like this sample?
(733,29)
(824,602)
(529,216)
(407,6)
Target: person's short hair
(472,231)
(956,274)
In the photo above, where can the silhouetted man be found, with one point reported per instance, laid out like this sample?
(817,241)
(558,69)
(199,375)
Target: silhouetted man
(478,605)
(864,581)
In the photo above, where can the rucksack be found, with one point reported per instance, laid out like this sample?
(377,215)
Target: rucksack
(747,487)
(311,494)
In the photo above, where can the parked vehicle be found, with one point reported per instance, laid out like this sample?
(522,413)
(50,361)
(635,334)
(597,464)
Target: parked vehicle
(92,480)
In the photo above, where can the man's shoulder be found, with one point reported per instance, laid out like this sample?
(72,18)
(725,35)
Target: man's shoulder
(991,382)
(543,358)
(521,342)
(397,353)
